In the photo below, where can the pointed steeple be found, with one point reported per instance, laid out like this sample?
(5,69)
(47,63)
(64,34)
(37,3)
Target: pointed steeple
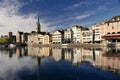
(38,22)
(38,25)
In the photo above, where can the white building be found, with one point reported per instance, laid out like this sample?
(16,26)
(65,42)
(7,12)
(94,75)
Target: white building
(96,32)
(57,37)
(68,34)
(77,30)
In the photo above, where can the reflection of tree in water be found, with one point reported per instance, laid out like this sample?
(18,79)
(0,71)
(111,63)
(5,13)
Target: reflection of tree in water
(7,51)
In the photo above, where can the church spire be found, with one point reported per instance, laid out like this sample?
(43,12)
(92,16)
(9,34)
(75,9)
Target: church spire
(38,25)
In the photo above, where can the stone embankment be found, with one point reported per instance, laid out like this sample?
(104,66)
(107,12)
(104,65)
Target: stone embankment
(70,45)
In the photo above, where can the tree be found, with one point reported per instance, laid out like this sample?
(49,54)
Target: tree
(4,40)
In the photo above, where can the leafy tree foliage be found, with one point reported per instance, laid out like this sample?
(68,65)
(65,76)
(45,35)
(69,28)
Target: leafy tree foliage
(4,40)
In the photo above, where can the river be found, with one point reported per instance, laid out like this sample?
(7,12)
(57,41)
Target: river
(45,63)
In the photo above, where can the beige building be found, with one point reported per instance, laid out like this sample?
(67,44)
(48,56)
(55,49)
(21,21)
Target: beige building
(47,39)
(111,30)
(41,38)
(38,37)
(19,37)
(57,37)
(87,36)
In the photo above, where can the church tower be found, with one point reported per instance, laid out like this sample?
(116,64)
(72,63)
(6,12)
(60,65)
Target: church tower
(38,28)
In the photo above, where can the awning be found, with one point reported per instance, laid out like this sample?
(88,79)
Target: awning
(111,36)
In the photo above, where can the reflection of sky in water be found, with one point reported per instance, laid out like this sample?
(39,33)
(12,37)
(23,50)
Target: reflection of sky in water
(9,67)
(25,68)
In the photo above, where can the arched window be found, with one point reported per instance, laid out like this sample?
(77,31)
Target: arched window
(113,32)
(118,32)
(108,33)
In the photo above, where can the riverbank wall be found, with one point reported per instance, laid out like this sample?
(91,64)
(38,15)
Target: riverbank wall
(69,45)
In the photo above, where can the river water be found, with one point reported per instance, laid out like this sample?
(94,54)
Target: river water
(45,63)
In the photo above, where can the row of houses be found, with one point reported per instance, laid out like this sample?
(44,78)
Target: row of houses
(104,32)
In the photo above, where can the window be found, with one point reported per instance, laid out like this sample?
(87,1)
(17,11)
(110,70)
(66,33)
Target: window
(118,32)
(108,33)
(119,24)
(118,18)
(112,27)
(113,19)
(113,32)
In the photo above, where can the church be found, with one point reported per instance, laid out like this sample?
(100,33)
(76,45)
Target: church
(38,37)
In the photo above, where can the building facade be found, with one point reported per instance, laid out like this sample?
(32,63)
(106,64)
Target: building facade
(19,37)
(68,34)
(111,30)
(57,37)
(38,37)
(96,28)
(77,36)
(87,36)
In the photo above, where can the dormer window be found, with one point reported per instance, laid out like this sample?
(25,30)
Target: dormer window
(113,19)
(118,18)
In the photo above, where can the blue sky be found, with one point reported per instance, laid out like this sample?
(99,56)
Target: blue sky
(54,14)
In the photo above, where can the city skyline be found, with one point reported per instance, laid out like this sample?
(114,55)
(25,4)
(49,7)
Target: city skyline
(57,14)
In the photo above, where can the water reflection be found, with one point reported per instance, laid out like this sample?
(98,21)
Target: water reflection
(106,59)
(67,63)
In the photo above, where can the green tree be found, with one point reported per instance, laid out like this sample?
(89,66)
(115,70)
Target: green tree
(4,40)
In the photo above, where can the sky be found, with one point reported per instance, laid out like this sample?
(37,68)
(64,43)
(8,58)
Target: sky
(21,15)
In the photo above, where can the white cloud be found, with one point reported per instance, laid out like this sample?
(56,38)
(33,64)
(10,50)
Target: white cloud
(82,16)
(11,20)
(79,4)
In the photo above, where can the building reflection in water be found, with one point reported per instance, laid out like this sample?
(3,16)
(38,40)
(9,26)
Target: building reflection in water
(98,57)
(21,51)
(108,59)
(39,51)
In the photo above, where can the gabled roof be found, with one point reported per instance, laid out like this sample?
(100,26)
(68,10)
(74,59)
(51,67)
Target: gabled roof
(82,28)
(61,31)
(114,19)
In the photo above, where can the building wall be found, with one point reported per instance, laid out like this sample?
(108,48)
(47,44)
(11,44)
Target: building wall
(33,39)
(96,28)
(68,36)
(57,37)
(19,37)
(46,39)
(76,34)
(87,36)
(111,28)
